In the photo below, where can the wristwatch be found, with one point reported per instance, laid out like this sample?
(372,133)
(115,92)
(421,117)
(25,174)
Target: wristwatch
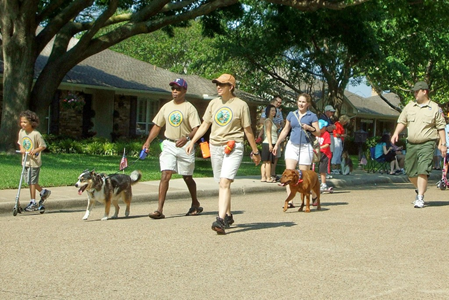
(254,153)
(188,138)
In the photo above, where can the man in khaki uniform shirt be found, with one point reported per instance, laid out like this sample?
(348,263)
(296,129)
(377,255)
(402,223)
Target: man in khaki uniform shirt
(181,121)
(425,123)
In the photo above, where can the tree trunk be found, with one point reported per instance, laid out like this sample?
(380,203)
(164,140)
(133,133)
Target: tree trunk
(19,56)
(45,88)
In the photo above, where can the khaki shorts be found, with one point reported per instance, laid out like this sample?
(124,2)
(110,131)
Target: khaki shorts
(302,153)
(223,165)
(419,158)
(176,159)
(34,175)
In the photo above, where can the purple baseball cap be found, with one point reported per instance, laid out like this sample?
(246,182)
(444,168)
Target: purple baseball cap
(179,82)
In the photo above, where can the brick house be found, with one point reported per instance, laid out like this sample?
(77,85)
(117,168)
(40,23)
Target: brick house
(122,95)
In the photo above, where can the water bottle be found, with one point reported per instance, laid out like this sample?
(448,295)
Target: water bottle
(204,146)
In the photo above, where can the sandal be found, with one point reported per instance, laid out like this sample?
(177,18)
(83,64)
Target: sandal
(273,179)
(156,215)
(194,211)
(290,205)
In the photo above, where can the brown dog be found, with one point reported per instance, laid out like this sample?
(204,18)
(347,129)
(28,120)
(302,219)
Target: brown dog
(303,182)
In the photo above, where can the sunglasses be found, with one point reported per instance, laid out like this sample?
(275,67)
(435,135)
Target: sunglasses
(177,88)
(222,84)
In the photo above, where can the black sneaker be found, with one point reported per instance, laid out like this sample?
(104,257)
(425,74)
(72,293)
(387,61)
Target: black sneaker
(219,226)
(229,220)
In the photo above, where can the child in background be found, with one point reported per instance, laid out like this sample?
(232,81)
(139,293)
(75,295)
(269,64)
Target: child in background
(325,142)
(346,164)
(31,141)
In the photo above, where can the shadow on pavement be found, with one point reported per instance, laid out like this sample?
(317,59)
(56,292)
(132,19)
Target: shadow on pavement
(207,213)
(437,203)
(333,203)
(258,226)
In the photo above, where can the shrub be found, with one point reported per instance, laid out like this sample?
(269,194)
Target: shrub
(99,146)
(155,148)
(372,141)
(65,146)
(78,147)
(94,148)
(109,149)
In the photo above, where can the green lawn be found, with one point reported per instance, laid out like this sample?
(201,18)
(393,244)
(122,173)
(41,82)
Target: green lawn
(64,169)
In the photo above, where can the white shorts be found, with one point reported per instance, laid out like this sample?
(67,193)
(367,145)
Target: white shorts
(176,159)
(223,165)
(302,153)
(338,150)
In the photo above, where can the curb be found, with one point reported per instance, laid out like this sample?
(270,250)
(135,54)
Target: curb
(81,203)
(248,187)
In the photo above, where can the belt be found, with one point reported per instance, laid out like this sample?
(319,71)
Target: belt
(170,140)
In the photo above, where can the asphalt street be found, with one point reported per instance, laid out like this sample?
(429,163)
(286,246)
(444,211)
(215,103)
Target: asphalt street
(367,242)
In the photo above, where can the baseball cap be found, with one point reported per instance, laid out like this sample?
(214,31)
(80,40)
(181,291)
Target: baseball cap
(420,85)
(329,108)
(322,123)
(225,78)
(179,82)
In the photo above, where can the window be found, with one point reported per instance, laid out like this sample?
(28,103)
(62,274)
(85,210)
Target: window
(146,110)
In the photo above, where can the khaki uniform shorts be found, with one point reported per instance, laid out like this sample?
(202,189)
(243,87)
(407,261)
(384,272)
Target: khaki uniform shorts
(419,158)
(33,177)
(224,165)
(176,159)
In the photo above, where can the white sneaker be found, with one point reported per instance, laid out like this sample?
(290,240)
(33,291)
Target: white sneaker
(45,194)
(31,206)
(323,187)
(419,201)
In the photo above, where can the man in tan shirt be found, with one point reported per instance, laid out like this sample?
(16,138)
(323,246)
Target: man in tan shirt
(181,121)
(425,123)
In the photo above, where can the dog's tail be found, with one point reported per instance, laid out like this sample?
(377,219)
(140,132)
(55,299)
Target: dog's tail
(136,175)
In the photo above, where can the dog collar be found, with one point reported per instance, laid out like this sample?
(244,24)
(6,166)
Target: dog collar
(299,178)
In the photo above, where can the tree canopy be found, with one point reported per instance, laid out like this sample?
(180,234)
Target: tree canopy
(28,26)
(413,45)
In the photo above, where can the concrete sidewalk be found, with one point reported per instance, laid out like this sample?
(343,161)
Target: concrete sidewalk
(67,196)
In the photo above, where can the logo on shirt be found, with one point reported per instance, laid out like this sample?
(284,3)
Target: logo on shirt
(27,143)
(223,116)
(175,118)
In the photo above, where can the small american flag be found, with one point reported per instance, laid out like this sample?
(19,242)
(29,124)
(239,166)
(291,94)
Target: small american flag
(123,162)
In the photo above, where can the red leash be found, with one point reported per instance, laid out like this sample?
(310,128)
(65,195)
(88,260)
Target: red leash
(299,178)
